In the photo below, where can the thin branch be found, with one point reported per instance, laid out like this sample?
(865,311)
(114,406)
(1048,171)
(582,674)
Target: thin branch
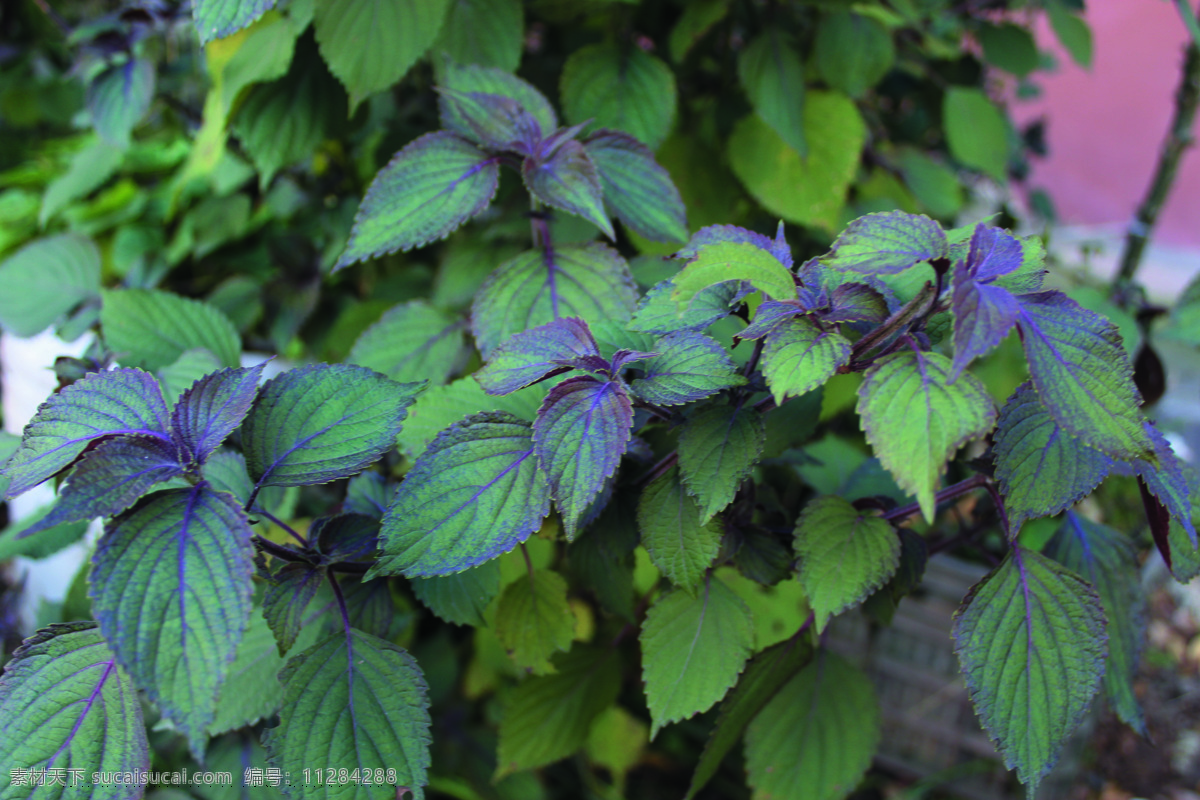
(341,601)
(895,323)
(660,468)
(262,512)
(951,492)
(1179,138)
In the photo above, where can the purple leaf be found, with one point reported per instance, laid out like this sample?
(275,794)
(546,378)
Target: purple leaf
(718,234)
(993,253)
(346,537)
(529,356)
(212,409)
(856,302)
(581,433)
(623,358)
(568,179)
(983,316)
(108,480)
(1042,469)
(120,401)
(637,189)
(492,120)
(886,243)
(1166,481)
(769,316)
(1082,374)
(368,493)
(689,366)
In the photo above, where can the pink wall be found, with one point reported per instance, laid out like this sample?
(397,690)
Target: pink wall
(1105,126)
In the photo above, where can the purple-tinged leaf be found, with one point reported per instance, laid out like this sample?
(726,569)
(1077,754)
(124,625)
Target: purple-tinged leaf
(171,586)
(369,494)
(719,234)
(741,262)
(428,189)
(1031,640)
(549,145)
(284,601)
(412,342)
(689,366)
(915,419)
(623,358)
(212,409)
(120,401)
(886,243)
(1082,375)
(590,281)
(769,316)
(799,356)
(67,705)
(636,188)
(531,355)
(658,313)
(346,537)
(568,179)
(119,97)
(490,80)
(580,435)
(1042,469)
(856,302)
(493,121)
(110,478)
(473,495)
(993,253)
(983,316)
(1166,481)
(322,422)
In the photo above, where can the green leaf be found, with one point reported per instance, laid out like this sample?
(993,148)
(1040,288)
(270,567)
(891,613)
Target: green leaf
(693,649)
(1042,469)
(150,329)
(915,419)
(976,131)
(679,542)
(370,44)
(460,598)
(799,356)
(119,97)
(192,365)
(807,191)
(534,620)
(176,630)
(853,52)
(1082,375)
(934,184)
(489,80)
(687,366)
(845,555)
(733,261)
(636,188)
(90,169)
(622,88)
(46,543)
(816,738)
(411,342)
(67,704)
(475,494)
(568,179)
(282,123)
(1010,48)
(765,675)
(718,447)
(439,407)
(285,600)
(773,76)
(1108,560)
(318,423)
(216,19)
(355,702)
(697,19)
(1030,638)
(886,243)
(548,717)
(1073,33)
(589,281)
(428,189)
(489,33)
(103,404)
(45,279)
(251,690)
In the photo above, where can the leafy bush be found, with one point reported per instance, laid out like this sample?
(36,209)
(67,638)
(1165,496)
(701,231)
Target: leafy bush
(594,495)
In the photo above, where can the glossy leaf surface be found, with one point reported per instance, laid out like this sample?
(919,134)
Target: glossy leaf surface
(568,179)
(733,261)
